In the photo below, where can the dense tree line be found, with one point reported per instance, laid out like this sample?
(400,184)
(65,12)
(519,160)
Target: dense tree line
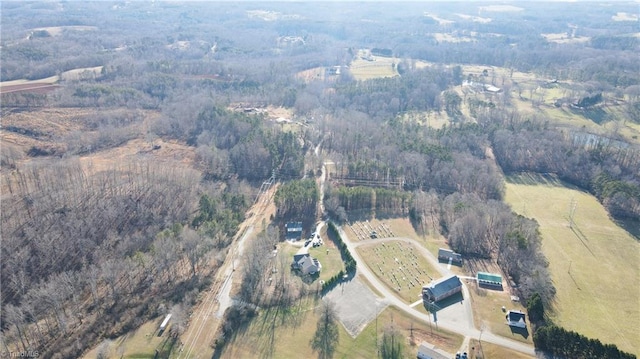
(380,200)
(297,199)
(604,166)
(490,229)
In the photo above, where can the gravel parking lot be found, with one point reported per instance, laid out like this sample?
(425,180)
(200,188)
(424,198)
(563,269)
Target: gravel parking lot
(355,304)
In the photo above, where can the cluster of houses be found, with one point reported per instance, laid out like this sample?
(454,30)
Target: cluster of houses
(302,262)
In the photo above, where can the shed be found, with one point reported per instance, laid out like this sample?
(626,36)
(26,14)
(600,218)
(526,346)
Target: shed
(293,231)
(442,288)
(165,322)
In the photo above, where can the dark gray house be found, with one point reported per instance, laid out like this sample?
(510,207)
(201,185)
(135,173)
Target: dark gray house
(516,318)
(306,264)
(442,288)
(447,255)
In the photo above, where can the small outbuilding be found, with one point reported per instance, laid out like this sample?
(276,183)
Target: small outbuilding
(442,288)
(447,255)
(293,231)
(516,318)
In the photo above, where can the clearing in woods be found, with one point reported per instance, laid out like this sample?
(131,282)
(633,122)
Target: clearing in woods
(593,262)
(366,66)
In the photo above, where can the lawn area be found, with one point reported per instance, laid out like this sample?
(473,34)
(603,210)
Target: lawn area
(594,265)
(400,266)
(476,351)
(487,311)
(141,343)
(288,335)
(331,261)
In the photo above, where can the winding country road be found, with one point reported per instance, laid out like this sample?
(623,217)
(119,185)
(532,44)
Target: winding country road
(466,328)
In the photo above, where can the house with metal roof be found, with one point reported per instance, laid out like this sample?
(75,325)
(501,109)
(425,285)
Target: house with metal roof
(442,288)
(489,280)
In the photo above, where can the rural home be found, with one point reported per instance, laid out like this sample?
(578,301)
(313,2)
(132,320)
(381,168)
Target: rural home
(447,255)
(306,264)
(293,231)
(429,351)
(442,288)
(516,318)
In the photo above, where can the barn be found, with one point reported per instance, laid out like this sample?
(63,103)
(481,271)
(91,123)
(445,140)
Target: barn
(442,288)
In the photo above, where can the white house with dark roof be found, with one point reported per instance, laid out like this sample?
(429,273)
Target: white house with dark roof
(442,288)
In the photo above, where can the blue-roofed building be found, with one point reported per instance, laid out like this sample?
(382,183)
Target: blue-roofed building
(293,231)
(442,288)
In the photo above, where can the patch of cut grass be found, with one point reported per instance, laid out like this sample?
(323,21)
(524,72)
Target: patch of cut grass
(594,263)
(476,351)
(487,310)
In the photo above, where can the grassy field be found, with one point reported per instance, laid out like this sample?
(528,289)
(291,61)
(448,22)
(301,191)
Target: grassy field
(594,265)
(288,335)
(486,350)
(400,266)
(141,343)
(366,66)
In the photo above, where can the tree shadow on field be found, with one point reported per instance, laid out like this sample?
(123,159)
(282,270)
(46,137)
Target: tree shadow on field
(272,318)
(532,179)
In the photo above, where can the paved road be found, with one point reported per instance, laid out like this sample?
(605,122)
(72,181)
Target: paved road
(467,329)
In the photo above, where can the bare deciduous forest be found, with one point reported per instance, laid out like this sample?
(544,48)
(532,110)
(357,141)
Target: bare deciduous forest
(134,141)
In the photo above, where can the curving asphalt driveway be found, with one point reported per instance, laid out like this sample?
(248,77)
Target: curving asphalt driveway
(457,323)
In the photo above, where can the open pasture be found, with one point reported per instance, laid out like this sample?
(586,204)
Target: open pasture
(366,66)
(400,266)
(593,262)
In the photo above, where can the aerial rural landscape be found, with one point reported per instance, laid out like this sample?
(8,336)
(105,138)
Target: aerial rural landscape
(321,179)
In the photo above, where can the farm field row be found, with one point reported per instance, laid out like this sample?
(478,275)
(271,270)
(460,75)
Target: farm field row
(593,263)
